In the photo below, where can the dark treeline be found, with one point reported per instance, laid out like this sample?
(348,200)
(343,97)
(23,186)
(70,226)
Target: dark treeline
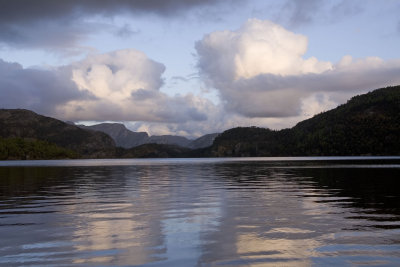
(18,148)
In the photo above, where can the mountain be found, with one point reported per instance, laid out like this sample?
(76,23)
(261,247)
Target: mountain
(203,141)
(368,124)
(126,138)
(25,124)
(121,135)
(168,140)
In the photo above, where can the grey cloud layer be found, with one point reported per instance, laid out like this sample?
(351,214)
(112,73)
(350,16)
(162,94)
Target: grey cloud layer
(18,11)
(119,86)
(40,90)
(301,11)
(60,24)
(295,13)
(277,96)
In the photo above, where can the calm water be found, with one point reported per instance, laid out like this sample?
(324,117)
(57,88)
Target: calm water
(209,212)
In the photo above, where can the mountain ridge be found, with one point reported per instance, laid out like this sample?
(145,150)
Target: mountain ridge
(126,138)
(367,124)
(119,133)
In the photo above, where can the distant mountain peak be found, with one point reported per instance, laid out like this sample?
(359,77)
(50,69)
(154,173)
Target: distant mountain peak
(126,138)
(122,136)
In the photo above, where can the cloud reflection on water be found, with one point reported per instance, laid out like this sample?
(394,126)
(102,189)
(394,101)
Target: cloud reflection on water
(233,213)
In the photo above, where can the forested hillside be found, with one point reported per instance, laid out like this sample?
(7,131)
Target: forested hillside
(25,124)
(19,148)
(368,124)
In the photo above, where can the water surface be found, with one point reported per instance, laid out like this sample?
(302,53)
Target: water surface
(201,212)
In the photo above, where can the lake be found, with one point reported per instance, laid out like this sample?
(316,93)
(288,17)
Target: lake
(201,212)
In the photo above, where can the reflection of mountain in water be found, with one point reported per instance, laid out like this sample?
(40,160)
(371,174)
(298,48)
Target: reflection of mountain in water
(373,189)
(200,213)
(302,216)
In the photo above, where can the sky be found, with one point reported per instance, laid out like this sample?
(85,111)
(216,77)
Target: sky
(193,67)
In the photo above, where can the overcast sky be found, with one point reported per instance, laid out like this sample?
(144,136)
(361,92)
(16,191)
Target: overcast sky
(192,67)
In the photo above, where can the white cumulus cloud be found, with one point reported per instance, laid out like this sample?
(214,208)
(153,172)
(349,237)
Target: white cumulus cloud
(126,87)
(260,71)
(258,47)
(118,86)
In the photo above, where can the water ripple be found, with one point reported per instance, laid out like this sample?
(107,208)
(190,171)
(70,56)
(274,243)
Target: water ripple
(200,213)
